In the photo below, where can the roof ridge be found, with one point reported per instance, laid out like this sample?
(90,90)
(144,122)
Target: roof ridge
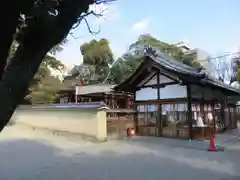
(159,56)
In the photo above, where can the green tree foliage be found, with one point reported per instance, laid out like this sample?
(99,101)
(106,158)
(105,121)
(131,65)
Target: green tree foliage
(123,68)
(99,65)
(44,87)
(172,51)
(97,56)
(236,69)
(126,65)
(45,91)
(37,26)
(97,52)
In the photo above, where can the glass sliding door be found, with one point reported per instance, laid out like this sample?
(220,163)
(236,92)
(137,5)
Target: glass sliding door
(147,119)
(140,115)
(152,114)
(174,120)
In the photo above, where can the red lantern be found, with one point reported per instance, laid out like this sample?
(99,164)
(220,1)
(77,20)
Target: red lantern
(131,132)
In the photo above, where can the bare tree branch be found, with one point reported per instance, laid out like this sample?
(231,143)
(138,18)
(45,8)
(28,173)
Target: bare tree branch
(84,18)
(89,28)
(103,1)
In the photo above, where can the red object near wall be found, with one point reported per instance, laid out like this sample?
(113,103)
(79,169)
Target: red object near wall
(212,146)
(129,101)
(81,81)
(131,132)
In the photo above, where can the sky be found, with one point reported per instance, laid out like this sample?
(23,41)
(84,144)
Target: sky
(211,25)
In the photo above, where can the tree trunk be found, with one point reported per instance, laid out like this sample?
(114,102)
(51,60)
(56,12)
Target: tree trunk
(17,76)
(11,22)
(39,38)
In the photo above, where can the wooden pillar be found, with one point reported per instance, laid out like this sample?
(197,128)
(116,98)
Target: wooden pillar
(158,87)
(75,95)
(159,106)
(159,119)
(76,98)
(129,101)
(106,99)
(222,112)
(213,115)
(189,108)
(112,100)
(134,106)
(135,114)
(229,116)
(235,117)
(69,98)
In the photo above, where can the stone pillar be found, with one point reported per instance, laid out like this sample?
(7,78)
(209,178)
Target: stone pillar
(101,125)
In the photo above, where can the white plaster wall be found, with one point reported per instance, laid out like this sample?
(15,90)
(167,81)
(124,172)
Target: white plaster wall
(146,94)
(153,81)
(162,79)
(173,91)
(170,91)
(81,121)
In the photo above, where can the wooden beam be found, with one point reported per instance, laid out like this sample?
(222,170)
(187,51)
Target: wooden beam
(162,85)
(158,73)
(168,76)
(119,93)
(162,101)
(143,66)
(167,71)
(151,77)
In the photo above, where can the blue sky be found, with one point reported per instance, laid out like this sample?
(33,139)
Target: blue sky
(208,24)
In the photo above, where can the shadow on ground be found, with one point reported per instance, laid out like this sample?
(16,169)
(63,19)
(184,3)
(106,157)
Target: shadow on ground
(28,160)
(232,146)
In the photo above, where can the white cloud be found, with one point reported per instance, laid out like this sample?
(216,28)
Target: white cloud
(141,26)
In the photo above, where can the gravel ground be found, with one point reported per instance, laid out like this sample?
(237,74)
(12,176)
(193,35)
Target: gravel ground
(28,154)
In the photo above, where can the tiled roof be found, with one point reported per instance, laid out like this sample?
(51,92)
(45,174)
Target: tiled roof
(179,67)
(70,82)
(159,58)
(174,65)
(85,105)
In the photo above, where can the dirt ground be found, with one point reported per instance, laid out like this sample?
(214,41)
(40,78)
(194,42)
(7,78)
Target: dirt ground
(28,154)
